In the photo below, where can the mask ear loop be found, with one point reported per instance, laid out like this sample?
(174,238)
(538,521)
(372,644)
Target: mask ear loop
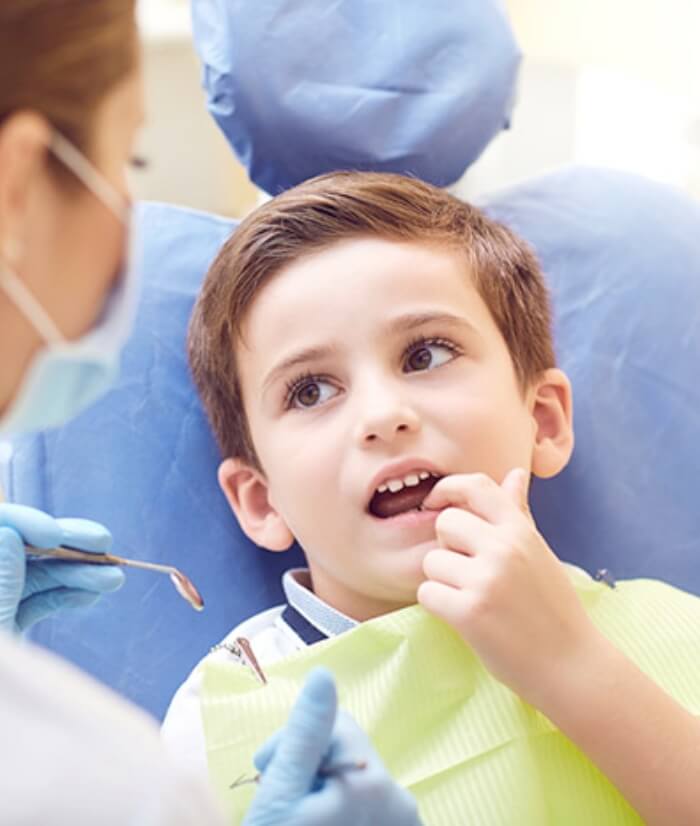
(15,288)
(86,173)
(30,308)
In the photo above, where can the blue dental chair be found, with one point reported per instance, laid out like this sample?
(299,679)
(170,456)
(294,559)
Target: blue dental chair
(622,256)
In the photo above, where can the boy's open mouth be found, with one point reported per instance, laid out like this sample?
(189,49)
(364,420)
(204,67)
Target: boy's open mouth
(402,495)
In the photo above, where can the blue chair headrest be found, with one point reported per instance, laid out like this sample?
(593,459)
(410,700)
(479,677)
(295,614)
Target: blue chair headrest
(304,88)
(622,256)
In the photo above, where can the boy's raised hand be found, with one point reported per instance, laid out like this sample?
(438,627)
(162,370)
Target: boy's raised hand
(495,580)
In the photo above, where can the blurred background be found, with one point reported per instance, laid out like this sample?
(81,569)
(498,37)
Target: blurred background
(606,83)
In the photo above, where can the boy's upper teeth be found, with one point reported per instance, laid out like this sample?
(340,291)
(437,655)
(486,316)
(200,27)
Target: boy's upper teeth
(410,480)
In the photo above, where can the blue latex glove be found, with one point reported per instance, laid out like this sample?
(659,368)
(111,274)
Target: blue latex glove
(291,792)
(31,589)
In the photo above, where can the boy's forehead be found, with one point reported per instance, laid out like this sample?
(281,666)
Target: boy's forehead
(324,280)
(366,283)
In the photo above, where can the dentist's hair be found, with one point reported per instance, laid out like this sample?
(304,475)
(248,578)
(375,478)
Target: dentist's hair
(60,58)
(341,206)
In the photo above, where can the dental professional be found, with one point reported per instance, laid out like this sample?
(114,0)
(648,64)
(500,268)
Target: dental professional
(71,752)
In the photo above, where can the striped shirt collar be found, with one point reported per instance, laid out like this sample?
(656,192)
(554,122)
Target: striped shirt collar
(308,616)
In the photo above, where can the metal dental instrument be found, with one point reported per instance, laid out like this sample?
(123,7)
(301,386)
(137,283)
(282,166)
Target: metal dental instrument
(242,650)
(326,770)
(184,586)
(250,659)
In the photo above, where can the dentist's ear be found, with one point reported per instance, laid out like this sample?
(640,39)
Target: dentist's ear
(552,411)
(24,138)
(246,490)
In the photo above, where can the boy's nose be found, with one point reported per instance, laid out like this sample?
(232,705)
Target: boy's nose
(386,420)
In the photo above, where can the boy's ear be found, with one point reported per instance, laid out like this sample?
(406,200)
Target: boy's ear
(553,414)
(247,492)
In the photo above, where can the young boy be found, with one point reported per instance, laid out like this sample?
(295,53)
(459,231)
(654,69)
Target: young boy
(375,358)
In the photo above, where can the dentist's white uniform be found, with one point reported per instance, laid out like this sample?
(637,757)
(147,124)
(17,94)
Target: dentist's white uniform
(73,753)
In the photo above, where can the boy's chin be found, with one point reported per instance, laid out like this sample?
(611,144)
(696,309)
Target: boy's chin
(408,574)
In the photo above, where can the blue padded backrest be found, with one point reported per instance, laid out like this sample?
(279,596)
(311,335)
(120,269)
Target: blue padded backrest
(622,257)
(409,86)
(142,461)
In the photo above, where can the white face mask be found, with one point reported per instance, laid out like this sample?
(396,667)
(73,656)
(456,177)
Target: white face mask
(66,376)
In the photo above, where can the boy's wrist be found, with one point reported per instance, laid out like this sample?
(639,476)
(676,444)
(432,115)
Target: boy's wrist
(578,679)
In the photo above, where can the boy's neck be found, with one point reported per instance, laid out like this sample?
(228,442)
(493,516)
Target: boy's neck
(356,606)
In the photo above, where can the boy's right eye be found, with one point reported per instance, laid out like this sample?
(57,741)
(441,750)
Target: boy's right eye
(309,391)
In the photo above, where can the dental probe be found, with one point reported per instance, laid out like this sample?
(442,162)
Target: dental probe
(184,586)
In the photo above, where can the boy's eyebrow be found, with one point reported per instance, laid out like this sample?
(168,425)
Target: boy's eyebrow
(412,320)
(296,359)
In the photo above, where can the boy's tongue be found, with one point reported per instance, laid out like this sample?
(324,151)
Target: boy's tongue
(388,504)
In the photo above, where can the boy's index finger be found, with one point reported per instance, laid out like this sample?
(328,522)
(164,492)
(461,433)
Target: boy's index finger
(516,484)
(477,493)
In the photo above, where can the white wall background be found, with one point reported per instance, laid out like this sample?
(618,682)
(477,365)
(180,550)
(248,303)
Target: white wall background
(189,161)
(606,82)
(610,82)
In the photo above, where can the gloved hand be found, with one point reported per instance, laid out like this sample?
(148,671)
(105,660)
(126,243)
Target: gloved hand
(292,793)
(31,589)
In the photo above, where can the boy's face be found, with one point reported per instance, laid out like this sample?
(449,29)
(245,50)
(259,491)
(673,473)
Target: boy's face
(364,365)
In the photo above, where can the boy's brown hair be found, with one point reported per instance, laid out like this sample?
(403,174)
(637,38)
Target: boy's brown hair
(338,207)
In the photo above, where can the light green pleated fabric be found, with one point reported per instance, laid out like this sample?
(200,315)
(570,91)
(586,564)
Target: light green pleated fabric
(466,747)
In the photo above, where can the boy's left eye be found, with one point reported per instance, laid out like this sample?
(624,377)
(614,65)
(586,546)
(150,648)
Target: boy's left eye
(427,355)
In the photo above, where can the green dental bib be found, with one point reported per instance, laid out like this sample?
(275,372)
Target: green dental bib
(467,748)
